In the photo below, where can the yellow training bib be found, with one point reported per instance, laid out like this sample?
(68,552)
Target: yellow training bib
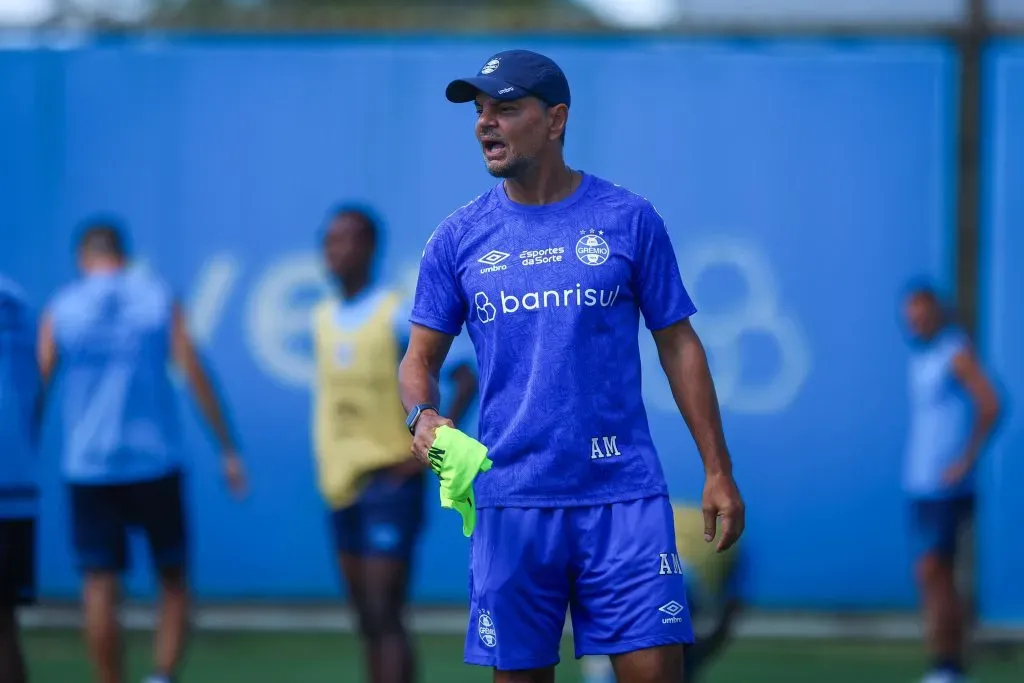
(359,422)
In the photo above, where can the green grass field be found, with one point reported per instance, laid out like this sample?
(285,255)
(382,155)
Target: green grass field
(57,657)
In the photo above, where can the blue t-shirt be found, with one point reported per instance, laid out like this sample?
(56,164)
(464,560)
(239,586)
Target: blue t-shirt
(19,388)
(118,403)
(552,297)
(941,415)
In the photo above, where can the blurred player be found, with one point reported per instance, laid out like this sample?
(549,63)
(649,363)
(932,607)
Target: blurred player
(551,270)
(19,391)
(107,340)
(373,486)
(711,594)
(953,408)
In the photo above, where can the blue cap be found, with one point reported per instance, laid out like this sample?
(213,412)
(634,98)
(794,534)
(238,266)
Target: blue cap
(513,74)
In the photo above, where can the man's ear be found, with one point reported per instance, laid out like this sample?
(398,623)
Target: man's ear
(559,115)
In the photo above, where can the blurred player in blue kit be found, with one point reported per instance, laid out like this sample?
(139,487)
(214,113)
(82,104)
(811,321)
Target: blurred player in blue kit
(953,410)
(19,487)
(550,270)
(375,489)
(107,341)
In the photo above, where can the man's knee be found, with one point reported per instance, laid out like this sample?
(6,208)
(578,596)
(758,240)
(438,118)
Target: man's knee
(8,622)
(173,581)
(932,570)
(662,664)
(100,586)
(380,619)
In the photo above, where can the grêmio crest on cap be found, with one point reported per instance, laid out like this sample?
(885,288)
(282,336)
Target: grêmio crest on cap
(490,67)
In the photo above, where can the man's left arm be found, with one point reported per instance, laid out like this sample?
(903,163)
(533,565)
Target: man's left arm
(667,307)
(686,366)
(459,365)
(972,377)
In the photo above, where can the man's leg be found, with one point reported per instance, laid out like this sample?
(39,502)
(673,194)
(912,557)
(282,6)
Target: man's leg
(375,540)
(99,537)
(17,588)
(935,527)
(158,507)
(519,592)
(12,662)
(663,664)
(964,579)
(391,514)
(346,527)
(630,600)
(171,635)
(100,602)
(382,585)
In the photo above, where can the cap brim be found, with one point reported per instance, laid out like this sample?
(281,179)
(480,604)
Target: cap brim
(466,89)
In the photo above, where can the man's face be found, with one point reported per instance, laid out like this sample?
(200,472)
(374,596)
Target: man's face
(348,246)
(512,134)
(922,315)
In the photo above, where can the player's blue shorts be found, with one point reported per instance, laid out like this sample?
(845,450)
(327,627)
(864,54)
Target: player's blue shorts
(385,521)
(103,514)
(603,563)
(936,525)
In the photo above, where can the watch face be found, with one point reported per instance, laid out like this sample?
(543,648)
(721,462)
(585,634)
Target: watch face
(411,420)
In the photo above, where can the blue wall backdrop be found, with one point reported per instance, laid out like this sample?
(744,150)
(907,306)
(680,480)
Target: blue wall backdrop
(803,183)
(1002,506)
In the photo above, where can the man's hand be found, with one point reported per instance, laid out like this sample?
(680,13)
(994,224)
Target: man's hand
(234,474)
(722,499)
(426,428)
(956,472)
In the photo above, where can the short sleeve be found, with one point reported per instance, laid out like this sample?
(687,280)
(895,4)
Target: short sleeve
(438,303)
(660,292)
(954,341)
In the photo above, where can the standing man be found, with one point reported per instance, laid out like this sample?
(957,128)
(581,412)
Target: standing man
(551,270)
(953,409)
(19,492)
(107,340)
(374,488)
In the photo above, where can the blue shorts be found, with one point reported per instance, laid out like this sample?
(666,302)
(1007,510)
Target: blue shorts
(604,563)
(385,521)
(103,514)
(936,524)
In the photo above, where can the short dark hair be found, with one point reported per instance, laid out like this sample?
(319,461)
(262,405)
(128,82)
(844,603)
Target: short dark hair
(923,289)
(365,214)
(102,236)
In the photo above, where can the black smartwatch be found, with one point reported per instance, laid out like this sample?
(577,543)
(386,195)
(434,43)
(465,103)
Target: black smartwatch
(414,415)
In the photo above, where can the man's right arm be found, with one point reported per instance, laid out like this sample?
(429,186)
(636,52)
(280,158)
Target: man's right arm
(188,362)
(420,370)
(46,356)
(418,383)
(46,349)
(438,313)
